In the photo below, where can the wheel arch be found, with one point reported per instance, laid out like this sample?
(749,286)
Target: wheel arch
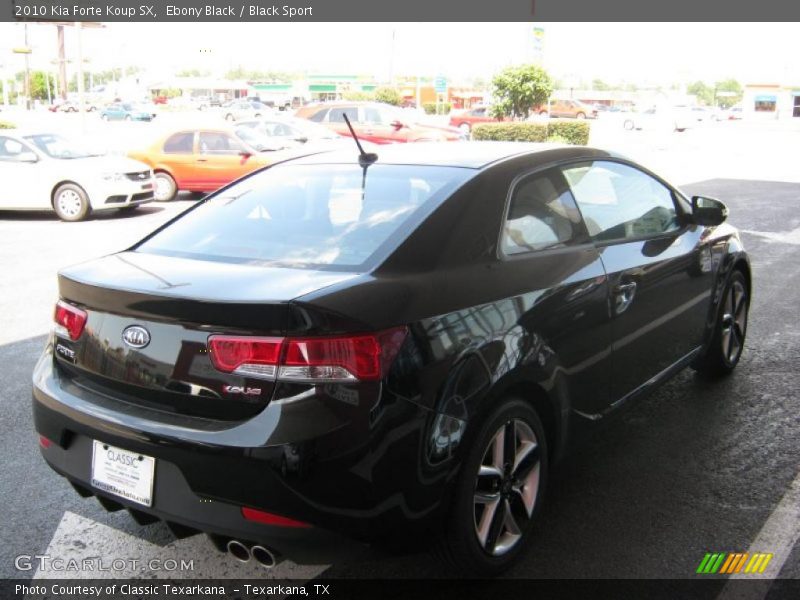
(65,182)
(545,407)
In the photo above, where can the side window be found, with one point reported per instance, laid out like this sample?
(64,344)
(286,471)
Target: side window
(319,116)
(371,115)
(10,148)
(180,143)
(542,214)
(337,114)
(620,202)
(216,142)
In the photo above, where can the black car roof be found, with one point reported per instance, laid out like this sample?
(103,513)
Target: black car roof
(471,155)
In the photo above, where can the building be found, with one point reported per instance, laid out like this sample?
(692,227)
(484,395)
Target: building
(771,101)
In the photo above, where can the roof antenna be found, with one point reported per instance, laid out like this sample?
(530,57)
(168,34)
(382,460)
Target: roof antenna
(365,159)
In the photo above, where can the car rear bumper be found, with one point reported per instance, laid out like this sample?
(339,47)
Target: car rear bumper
(345,485)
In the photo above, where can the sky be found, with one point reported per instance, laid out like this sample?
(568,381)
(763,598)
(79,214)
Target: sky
(657,53)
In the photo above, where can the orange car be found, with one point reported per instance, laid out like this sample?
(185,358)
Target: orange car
(200,160)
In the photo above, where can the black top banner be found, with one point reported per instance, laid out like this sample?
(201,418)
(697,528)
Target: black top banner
(398,11)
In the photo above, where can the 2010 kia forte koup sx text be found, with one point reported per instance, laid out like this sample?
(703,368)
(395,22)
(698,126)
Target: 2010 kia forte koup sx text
(361,347)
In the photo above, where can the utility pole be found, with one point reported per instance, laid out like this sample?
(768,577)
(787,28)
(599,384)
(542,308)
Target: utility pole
(62,64)
(79,26)
(28,98)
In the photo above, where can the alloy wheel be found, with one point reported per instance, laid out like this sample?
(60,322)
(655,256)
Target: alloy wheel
(506,487)
(734,322)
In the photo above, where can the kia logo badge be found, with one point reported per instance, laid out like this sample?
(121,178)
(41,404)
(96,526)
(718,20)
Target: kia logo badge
(136,336)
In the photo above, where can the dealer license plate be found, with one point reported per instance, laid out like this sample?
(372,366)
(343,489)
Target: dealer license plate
(123,473)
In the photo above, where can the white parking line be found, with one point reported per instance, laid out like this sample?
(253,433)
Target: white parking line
(778,536)
(100,551)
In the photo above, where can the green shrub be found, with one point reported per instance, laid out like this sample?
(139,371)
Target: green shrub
(358,96)
(566,132)
(7,125)
(389,96)
(430,108)
(557,139)
(575,132)
(514,131)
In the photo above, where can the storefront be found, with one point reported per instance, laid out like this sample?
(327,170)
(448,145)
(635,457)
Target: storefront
(771,101)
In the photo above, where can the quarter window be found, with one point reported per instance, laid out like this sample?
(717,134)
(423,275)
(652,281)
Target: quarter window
(620,202)
(10,148)
(542,214)
(319,116)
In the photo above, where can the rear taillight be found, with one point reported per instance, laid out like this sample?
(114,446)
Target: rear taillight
(360,357)
(255,356)
(260,516)
(70,320)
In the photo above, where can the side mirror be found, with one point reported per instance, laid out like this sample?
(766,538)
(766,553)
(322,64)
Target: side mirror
(397,124)
(245,154)
(708,211)
(27,157)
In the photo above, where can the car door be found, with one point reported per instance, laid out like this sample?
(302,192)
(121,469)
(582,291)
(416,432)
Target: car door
(22,179)
(547,251)
(658,268)
(335,120)
(377,126)
(221,158)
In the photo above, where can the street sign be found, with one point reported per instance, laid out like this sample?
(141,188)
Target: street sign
(440,84)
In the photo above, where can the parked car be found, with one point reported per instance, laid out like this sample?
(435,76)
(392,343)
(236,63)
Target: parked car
(465,119)
(45,171)
(126,111)
(376,122)
(199,160)
(660,118)
(346,346)
(571,109)
(244,109)
(289,129)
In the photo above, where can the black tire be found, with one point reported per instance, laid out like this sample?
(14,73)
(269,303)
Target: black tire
(628,125)
(479,539)
(229,117)
(164,187)
(128,118)
(70,202)
(104,117)
(730,330)
(580,115)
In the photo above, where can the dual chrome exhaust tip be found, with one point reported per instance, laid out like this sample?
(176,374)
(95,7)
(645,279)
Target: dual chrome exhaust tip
(243,553)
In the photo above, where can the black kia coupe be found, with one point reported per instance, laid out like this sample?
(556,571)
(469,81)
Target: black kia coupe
(363,347)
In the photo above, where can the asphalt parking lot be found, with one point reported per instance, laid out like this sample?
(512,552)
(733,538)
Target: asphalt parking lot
(697,467)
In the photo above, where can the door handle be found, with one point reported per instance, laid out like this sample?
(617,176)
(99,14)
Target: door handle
(202,160)
(623,296)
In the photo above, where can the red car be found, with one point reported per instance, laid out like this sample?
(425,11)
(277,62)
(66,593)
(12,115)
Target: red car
(376,122)
(465,119)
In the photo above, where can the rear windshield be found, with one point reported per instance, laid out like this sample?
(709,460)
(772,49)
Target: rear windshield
(335,217)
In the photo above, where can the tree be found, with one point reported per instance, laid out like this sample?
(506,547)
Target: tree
(600,85)
(519,90)
(193,73)
(389,96)
(704,93)
(728,86)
